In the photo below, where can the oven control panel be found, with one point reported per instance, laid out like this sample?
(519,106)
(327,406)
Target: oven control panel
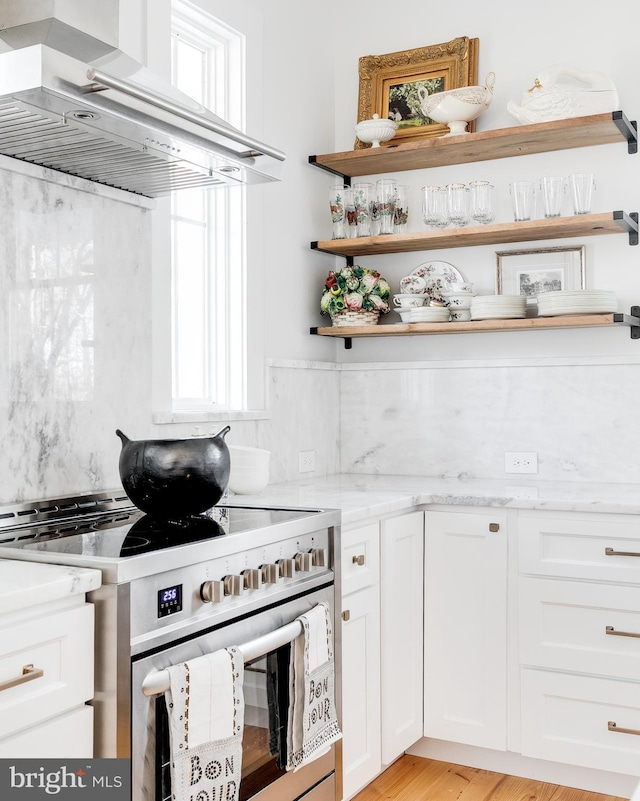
(185,598)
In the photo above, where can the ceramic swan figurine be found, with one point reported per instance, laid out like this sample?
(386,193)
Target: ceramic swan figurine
(553,97)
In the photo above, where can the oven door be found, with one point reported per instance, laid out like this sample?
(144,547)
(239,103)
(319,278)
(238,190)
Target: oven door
(265,686)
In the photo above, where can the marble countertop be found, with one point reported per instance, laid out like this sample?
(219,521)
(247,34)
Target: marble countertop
(25,584)
(361,496)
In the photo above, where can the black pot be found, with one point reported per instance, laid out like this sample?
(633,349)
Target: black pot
(173,478)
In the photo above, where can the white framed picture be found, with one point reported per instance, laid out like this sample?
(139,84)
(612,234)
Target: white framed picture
(535,271)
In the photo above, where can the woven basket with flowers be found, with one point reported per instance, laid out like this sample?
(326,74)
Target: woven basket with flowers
(355,296)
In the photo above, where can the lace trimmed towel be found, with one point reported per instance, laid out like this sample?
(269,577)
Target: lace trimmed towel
(312,721)
(205,705)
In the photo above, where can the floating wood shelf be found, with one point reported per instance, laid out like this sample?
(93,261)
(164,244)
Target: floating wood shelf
(520,140)
(616,222)
(349,332)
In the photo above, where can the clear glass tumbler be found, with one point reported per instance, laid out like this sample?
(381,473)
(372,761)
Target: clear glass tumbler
(386,189)
(523,198)
(458,204)
(337,206)
(434,206)
(350,213)
(480,197)
(582,186)
(552,188)
(401,211)
(362,196)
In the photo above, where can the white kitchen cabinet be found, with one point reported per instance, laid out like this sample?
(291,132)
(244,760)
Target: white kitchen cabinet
(579,648)
(361,740)
(402,629)
(465,631)
(46,661)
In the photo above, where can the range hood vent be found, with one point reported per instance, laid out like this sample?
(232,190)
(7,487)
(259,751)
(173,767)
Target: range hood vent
(112,121)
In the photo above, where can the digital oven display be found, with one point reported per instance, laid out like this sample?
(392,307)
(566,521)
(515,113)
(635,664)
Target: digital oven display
(170,600)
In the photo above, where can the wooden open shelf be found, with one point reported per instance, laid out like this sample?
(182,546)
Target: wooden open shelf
(616,222)
(520,140)
(349,332)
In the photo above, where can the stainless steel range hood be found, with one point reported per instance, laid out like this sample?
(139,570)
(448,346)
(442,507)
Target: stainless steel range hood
(73,102)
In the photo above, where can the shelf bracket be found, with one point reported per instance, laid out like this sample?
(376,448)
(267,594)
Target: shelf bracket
(629,129)
(632,320)
(347,340)
(345,178)
(629,223)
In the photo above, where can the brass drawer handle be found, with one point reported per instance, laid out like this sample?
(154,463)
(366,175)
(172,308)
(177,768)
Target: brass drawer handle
(611,630)
(494,526)
(358,560)
(346,615)
(613,727)
(611,552)
(29,673)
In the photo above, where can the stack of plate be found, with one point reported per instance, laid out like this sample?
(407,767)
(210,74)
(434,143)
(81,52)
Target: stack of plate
(577,301)
(429,314)
(498,307)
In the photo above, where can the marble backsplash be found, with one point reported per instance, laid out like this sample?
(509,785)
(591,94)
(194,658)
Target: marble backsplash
(77,364)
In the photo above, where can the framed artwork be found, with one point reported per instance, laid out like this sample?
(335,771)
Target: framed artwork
(389,85)
(532,272)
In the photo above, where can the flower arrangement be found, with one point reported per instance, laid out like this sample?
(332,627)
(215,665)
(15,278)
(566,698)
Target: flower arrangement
(355,289)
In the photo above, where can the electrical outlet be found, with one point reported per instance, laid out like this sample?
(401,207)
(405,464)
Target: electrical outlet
(306,461)
(521,462)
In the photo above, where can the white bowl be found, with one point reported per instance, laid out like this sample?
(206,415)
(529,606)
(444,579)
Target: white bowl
(248,481)
(407,301)
(376,130)
(243,456)
(457,107)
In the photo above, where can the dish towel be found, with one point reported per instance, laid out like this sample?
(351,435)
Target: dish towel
(205,705)
(312,722)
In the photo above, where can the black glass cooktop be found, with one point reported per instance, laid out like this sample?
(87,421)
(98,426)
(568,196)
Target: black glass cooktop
(128,533)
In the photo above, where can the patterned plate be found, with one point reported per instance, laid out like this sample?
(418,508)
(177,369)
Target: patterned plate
(437,276)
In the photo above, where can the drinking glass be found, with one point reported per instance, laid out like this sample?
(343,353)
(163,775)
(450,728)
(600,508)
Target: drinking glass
(552,188)
(434,206)
(336,205)
(401,211)
(386,192)
(480,193)
(458,204)
(362,196)
(582,186)
(523,196)
(350,213)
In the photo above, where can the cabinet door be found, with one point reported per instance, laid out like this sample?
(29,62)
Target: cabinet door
(401,635)
(360,689)
(68,736)
(465,646)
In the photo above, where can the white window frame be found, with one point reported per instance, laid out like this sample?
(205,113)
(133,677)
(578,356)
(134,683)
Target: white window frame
(224,285)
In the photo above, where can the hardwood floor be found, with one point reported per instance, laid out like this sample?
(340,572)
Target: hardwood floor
(418,779)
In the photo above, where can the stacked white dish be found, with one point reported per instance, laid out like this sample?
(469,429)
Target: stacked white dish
(249,469)
(577,301)
(429,314)
(498,307)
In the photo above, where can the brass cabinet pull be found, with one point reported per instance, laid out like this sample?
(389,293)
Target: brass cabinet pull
(346,615)
(358,560)
(29,673)
(494,526)
(611,552)
(613,727)
(611,630)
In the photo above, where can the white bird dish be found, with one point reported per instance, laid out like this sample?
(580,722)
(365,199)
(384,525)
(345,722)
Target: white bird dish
(457,107)
(376,130)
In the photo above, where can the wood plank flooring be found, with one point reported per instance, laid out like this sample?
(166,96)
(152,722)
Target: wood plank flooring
(419,779)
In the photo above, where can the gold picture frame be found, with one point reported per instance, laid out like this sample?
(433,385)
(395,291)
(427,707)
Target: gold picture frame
(390,82)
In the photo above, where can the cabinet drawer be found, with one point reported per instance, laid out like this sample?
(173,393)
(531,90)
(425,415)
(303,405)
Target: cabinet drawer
(566,718)
(360,557)
(575,626)
(68,736)
(578,548)
(61,646)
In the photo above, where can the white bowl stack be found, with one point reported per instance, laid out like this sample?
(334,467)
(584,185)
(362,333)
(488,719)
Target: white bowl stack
(577,301)
(429,314)
(249,472)
(499,307)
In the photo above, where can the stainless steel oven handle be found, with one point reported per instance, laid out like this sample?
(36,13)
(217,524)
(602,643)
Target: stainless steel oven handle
(157,681)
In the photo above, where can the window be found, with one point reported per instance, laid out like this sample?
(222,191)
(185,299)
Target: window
(208,231)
